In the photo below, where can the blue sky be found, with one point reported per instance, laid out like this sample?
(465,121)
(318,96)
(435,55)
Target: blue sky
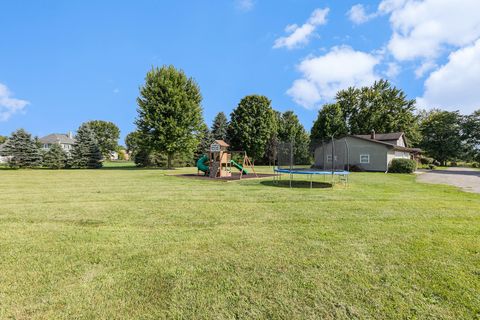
(66,62)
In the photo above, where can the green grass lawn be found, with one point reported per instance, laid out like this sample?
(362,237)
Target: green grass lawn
(122,243)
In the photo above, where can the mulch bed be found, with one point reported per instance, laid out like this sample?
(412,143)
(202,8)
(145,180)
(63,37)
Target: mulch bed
(234,177)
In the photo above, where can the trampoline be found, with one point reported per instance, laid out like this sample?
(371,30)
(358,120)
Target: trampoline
(338,162)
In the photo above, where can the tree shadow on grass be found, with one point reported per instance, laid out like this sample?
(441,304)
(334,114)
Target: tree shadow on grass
(297,184)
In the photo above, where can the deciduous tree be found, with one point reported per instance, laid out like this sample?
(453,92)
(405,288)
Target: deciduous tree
(442,135)
(169,112)
(330,122)
(107,134)
(251,125)
(291,130)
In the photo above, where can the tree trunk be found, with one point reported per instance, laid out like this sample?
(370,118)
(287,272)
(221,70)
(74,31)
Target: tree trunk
(169,160)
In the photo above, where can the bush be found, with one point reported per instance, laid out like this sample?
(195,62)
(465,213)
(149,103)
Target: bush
(355,168)
(475,165)
(454,164)
(426,160)
(402,166)
(432,166)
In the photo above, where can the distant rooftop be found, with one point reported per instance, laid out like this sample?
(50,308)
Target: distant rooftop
(382,136)
(63,138)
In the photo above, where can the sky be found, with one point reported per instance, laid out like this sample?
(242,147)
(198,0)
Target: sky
(66,62)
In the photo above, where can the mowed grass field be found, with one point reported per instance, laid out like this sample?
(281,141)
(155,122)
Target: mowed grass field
(122,243)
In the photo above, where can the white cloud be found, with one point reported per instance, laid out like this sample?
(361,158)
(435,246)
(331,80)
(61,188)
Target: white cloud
(393,70)
(323,76)
(426,28)
(455,85)
(9,105)
(424,68)
(116,90)
(245,5)
(300,35)
(358,15)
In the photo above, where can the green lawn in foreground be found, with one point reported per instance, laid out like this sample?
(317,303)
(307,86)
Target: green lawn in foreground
(121,243)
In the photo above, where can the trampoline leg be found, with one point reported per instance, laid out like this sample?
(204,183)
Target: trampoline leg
(311,183)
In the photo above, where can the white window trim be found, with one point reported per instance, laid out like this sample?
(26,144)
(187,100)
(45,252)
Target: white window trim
(365,155)
(329,158)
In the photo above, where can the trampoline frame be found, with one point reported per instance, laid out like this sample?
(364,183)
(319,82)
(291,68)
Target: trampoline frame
(341,174)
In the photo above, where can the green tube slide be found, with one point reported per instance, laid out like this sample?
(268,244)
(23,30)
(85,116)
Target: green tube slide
(239,167)
(202,166)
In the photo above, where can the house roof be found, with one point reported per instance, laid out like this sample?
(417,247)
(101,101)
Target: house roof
(386,144)
(383,136)
(222,143)
(57,138)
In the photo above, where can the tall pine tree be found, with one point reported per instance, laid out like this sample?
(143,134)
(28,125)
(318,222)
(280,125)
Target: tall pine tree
(55,157)
(220,126)
(86,152)
(23,150)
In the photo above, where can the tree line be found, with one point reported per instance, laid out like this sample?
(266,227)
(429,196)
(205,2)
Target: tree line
(171,130)
(94,142)
(170,125)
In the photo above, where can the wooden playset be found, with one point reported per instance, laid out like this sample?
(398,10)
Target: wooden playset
(220,161)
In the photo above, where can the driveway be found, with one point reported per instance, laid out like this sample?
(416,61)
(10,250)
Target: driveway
(466,178)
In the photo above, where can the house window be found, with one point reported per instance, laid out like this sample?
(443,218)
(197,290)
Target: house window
(329,158)
(364,158)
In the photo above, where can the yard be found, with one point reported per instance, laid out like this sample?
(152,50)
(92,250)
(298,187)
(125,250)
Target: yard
(123,243)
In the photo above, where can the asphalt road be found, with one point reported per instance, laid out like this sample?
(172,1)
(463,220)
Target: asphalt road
(466,178)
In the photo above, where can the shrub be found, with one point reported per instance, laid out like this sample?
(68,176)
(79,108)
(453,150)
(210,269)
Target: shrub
(454,164)
(355,168)
(426,160)
(402,166)
(475,165)
(432,166)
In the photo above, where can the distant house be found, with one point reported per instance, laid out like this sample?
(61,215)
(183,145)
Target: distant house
(66,141)
(372,152)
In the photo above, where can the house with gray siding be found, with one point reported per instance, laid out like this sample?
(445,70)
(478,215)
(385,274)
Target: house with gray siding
(66,141)
(373,152)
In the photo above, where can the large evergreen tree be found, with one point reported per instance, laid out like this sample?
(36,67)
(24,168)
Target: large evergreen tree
(251,125)
(55,157)
(206,139)
(442,135)
(86,152)
(169,112)
(23,150)
(291,130)
(107,134)
(220,126)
